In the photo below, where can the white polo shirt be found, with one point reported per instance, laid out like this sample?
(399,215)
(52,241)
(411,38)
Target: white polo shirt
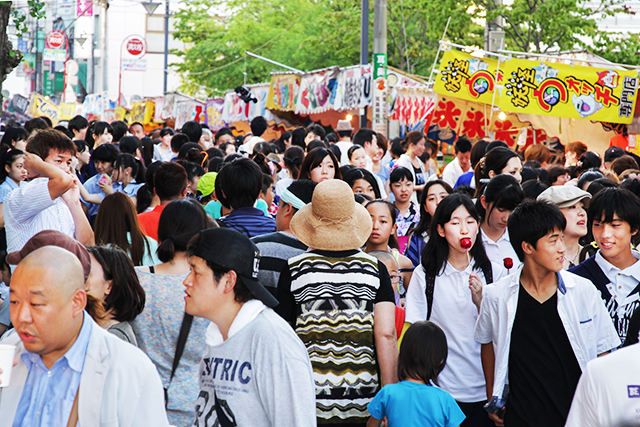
(623,282)
(498,251)
(581,310)
(608,393)
(454,311)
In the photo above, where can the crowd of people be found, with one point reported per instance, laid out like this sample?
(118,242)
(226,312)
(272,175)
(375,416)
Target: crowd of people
(197,278)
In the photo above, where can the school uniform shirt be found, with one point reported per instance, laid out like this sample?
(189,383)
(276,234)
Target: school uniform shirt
(29,209)
(454,311)
(582,313)
(7,187)
(608,393)
(498,251)
(452,172)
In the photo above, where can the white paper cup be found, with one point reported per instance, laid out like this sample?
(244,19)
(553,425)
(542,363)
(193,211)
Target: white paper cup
(7,353)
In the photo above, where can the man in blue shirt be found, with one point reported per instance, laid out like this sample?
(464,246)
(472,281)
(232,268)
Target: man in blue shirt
(63,355)
(238,186)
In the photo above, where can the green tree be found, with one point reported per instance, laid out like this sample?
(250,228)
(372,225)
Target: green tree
(543,26)
(307,35)
(10,58)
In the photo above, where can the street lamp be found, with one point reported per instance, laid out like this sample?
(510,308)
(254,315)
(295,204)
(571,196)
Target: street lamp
(151,7)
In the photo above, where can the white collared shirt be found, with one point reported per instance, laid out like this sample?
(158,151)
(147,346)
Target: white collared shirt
(623,282)
(454,311)
(29,209)
(581,310)
(499,250)
(452,172)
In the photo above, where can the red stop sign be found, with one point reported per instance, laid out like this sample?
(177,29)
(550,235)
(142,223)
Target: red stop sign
(135,46)
(55,40)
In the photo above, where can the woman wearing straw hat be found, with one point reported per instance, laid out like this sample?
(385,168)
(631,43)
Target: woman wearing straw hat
(341,302)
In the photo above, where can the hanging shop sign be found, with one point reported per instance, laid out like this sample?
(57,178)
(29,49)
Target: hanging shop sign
(213,114)
(560,90)
(467,77)
(283,91)
(318,91)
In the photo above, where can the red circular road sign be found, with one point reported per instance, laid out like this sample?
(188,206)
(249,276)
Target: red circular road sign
(136,46)
(56,39)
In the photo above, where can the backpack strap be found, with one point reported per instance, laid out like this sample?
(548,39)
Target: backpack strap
(431,284)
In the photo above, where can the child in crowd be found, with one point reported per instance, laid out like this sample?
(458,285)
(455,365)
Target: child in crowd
(162,152)
(414,401)
(614,219)
(100,185)
(447,289)
(129,173)
(362,181)
(501,196)
(83,156)
(389,261)
(432,195)
(102,133)
(401,181)
(383,237)
(12,172)
(357,156)
(267,196)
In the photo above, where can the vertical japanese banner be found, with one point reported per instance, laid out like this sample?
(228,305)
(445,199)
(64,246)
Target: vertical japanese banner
(379,99)
(213,114)
(560,90)
(467,77)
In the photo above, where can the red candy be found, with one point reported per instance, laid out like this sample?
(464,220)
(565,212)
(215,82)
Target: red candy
(508,263)
(465,243)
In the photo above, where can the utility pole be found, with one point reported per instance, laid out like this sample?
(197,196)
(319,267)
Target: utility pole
(379,76)
(105,71)
(364,48)
(166,44)
(493,31)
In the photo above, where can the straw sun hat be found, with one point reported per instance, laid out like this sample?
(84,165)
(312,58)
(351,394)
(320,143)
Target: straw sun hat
(333,221)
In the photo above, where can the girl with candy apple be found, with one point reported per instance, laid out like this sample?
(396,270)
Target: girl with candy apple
(447,290)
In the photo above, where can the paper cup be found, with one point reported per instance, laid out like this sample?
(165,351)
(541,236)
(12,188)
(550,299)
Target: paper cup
(7,353)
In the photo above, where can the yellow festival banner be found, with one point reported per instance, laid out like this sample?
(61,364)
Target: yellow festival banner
(560,90)
(467,77)
(40,106)
(67,110)
(283,92)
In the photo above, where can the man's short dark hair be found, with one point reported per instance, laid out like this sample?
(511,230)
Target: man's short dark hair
(136,124)
(317,130)
(36,123)
(221,132)
(105,153)
(303,189)
(169,181)
(42,142)
(615,201)
(362,136)
(177,141)
(531,221)
(344,133)
(193,130)
(129,144)
(120,129)
(463,145)
(78,123)
(238,184)
(258,126)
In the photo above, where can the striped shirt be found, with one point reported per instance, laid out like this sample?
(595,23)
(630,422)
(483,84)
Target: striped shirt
(249,221)
(29,210)
(275,250)
(331,297)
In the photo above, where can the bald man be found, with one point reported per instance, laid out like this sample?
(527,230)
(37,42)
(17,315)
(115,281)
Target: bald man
(63,355)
